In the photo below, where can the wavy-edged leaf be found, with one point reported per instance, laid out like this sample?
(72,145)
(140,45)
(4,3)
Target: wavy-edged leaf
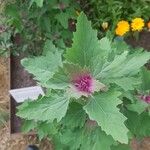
(124,65)
(43,67)
(44,109)
(86,45)
(126,83)
(103,109)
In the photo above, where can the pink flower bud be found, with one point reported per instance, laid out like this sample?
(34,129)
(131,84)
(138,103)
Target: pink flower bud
(146,98)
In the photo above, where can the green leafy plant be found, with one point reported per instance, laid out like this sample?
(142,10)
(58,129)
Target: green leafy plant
(35,21)
(89,88)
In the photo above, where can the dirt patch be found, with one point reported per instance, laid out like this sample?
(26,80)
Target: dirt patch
(4,83)
(143,41)
(20,78)
(141,145)
(18,142)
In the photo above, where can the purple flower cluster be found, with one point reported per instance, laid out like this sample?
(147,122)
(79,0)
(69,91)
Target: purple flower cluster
(146,98)
(84,83)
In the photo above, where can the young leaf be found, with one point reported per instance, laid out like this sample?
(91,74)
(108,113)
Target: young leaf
(103,109)
(45,109)
(86,45)
(43,67)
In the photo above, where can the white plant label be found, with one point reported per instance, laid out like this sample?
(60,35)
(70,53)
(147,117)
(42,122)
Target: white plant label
(22,94)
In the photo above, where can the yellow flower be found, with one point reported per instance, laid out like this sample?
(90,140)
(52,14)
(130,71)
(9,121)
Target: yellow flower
(137,24)
(148,25)
(122,28)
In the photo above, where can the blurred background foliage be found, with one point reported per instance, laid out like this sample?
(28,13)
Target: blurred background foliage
(25,26)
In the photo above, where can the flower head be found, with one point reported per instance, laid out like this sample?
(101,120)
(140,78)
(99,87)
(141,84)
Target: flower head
(146,98)
(122,28)
(83,84)
(137,24)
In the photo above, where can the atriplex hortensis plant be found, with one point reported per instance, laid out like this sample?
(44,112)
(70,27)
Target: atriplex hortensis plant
(85,106)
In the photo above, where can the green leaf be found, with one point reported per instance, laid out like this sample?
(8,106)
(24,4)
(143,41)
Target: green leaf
(28,125)
(46,129)
(48,47)
(96,140)
(75,116)
(103,109)
(138,124)
(60,80)
(145,79)
(121,147)
(43,67)
(139,106)
(102,141)
(86,45)
(119,46)
(84,139)
(63,18)
(124,65)
(126,83)
(44,109)
(38,2)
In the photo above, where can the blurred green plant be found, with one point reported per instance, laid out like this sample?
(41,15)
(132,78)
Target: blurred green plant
(33,22)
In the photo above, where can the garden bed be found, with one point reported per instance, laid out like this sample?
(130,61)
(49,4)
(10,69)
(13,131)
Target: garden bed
(19,78)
